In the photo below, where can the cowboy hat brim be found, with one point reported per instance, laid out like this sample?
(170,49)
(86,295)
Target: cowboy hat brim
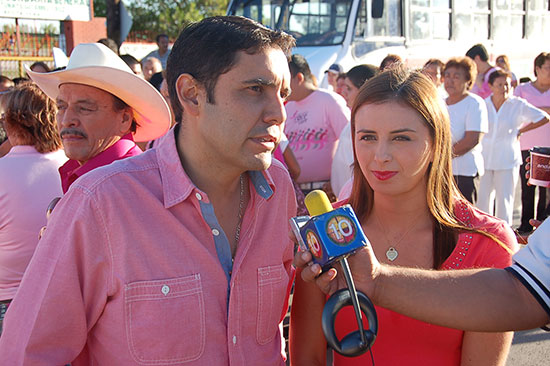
(151,112)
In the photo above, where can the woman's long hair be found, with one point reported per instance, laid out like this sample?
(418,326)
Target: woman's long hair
(416,91)
(30,117)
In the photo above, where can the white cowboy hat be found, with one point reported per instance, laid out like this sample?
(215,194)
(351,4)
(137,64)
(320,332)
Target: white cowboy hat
(96,65)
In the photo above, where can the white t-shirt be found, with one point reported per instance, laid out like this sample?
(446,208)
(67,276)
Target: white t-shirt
(342,164)
(532,265)
(313,127)
(470,114)
(501,148)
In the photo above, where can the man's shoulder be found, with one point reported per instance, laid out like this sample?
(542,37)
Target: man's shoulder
(329,96)
(113,174)
(277,169)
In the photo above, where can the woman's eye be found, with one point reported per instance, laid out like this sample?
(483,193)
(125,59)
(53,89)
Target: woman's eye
(256,88)
(402,138)
(368,137)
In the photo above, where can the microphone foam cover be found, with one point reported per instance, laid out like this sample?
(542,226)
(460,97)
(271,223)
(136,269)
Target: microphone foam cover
(317,203)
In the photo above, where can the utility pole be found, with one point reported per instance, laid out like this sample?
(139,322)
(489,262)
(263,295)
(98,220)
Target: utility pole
(113,20)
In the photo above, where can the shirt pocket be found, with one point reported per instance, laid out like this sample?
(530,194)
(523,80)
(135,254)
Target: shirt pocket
(165,320)
(272,286)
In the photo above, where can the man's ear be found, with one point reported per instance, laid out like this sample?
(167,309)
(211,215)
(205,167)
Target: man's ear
(189,93)
(300,78)
(126,123)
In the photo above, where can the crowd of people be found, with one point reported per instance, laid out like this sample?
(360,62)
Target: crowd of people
(146,205)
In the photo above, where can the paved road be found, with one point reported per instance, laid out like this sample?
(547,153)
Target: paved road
(530,348)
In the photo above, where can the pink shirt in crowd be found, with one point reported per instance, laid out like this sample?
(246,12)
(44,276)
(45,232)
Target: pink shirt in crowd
(123,148)
(28,182)
(485,90)
(313,127)
(539,136)
(128,273)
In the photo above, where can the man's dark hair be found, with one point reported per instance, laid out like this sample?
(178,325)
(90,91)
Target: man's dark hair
(361,73)
(298,63)
(541,60)
(109,43)
(130,60)
(208,49)
(478,50)
(162,35)
(19,80)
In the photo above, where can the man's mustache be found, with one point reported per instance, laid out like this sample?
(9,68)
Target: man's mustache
(72,131)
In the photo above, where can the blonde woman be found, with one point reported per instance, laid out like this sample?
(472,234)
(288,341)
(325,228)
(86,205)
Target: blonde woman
(414,216)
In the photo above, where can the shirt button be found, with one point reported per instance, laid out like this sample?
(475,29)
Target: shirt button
(215,232)
(199,197)
(234,339)
(165,290)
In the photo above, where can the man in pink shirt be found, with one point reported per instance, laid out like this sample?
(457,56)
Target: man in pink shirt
(478,53)
(102,108)
(179,255)
(316,117)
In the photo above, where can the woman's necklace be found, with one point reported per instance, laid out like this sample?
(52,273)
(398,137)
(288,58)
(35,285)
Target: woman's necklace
(392,253)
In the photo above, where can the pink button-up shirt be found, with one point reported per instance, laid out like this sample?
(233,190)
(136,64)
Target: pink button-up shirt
(72,170)
(128,273)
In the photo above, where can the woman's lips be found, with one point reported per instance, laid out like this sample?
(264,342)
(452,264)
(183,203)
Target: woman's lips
(383,175)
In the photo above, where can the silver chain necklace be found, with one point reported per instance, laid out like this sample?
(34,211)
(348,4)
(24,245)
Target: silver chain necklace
(392,252)
(241,213)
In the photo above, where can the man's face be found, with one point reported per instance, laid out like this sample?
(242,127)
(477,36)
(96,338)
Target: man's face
(163,44)
(87,121)
(331,77)
(243,126)
(136,68)
(150,68)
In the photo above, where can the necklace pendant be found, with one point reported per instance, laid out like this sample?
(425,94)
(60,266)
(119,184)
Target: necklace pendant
(392,254)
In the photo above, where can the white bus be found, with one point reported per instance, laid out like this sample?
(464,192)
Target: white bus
(352,32)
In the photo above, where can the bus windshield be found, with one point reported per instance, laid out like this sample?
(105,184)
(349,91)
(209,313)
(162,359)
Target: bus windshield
(311,22)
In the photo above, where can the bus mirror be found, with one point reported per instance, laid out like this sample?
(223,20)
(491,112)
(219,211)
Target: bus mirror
(377,9)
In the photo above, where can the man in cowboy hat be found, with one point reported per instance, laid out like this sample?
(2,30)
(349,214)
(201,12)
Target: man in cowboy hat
(179,255)
(103,107)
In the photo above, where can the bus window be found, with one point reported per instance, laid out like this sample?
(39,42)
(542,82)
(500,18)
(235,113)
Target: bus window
(389,25)
(430,19)
(263,11)
(538,22)
(508,19)
(318,22)
(471,20)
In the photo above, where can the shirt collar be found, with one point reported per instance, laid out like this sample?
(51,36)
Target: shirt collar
(176,184)
(72,169)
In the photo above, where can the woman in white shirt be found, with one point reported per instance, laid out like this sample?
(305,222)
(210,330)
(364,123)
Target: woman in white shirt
(468,115)
(509,117)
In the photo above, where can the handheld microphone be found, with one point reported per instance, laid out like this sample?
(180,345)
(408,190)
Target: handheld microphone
(331,236)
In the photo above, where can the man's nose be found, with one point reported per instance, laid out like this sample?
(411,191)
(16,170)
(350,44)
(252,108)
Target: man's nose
(67,118)
(276,112)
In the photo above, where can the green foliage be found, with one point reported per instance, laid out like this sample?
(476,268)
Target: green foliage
(100,8)
(170,16)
